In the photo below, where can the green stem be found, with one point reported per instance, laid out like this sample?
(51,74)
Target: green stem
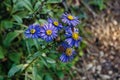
(30,64)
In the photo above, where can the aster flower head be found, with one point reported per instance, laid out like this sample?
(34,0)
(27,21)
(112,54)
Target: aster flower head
(55,23)
(70,19)
(72,37)
(48,32)
(68,53)
(33,31)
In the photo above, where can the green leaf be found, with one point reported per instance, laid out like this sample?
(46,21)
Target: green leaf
(81,53)
(45,10)
(6,24)
(14,1)
(1,53)
(36,76)
(18,7)
(35,55)
(17,18)
(43,61)
(28,45)
(48,77)
(39,77)
(83,44)
(60,74)
(36,7)
(36,43)
(34,72)
(49,60)
(1,77)
(42,21)
(99,3)
(15,57)
(10,37)
(28,5)
(54,1)
(14,70)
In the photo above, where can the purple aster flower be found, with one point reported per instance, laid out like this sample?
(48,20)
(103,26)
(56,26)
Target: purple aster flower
(72,37)
(48,32)
(33,31)
(68,53)
(70,20)
(55,23)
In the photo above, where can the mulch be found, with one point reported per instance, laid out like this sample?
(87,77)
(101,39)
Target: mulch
(101,59)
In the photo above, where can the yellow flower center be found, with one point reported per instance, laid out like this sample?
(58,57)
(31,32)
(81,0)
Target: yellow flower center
(70,17)
(55,23)
(49,32)
(32,31)
(68,51)
(75,36)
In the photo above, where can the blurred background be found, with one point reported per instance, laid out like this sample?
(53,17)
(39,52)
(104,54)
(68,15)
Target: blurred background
(98,55)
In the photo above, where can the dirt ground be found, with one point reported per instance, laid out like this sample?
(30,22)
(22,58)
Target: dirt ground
(101,60)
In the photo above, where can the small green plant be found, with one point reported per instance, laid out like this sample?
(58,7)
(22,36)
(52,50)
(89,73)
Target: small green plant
(99,3)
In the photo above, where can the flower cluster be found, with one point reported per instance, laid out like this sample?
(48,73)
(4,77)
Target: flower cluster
(50,31)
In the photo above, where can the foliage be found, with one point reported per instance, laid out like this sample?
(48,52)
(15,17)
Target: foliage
(22,58)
